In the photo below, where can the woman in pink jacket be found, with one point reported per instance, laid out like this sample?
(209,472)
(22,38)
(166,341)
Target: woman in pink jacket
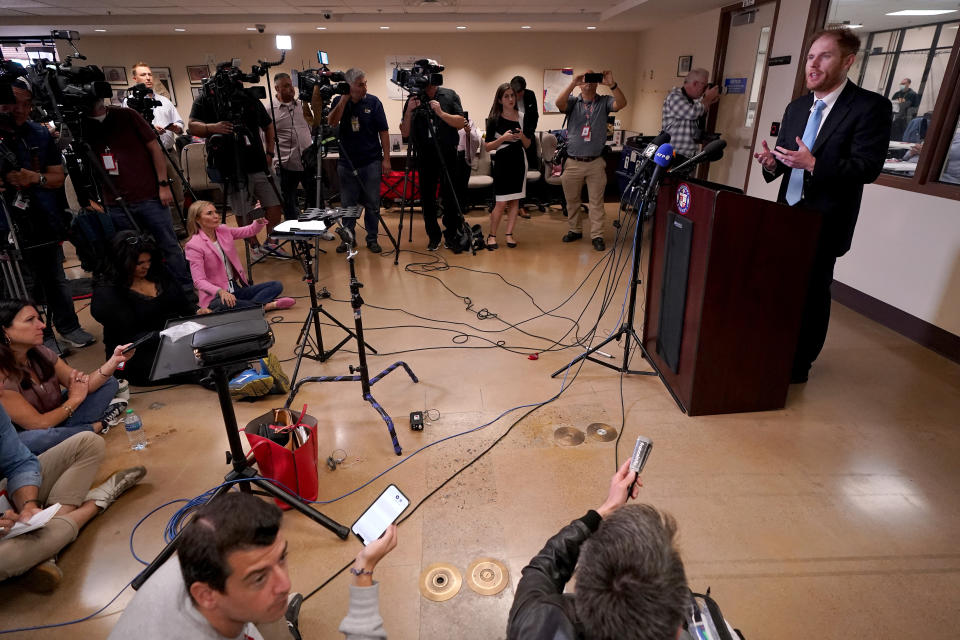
(215,266)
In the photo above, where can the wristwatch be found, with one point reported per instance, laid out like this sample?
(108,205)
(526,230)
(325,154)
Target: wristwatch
(163,183)
(43,180)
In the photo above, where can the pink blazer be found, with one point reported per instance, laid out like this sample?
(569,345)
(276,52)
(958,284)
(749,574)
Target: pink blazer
(206,265)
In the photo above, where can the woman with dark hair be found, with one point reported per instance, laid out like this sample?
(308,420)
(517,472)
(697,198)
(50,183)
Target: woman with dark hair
(34,378)
(506,134)
(138,298)
(215,266)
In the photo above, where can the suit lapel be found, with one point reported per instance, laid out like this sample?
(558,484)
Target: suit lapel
(839,111)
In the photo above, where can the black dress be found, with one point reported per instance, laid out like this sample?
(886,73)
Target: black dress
(509,163)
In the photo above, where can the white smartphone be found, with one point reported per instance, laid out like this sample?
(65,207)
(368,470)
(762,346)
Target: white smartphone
(380,515)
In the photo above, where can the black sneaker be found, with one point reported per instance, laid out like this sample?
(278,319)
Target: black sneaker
(342,248)
(572,236)
(599,245)
(434,245)
(374,247)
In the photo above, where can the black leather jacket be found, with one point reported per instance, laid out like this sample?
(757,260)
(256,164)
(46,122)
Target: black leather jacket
(540,609)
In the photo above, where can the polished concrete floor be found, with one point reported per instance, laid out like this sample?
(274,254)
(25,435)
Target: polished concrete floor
(836,516)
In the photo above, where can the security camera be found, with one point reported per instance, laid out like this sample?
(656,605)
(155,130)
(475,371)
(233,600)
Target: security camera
(261,28)
(327,15)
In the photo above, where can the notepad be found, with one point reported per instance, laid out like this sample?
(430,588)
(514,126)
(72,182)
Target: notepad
(37,521)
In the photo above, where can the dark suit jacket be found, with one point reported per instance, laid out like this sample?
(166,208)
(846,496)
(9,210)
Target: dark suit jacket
(850,150)
(531,116)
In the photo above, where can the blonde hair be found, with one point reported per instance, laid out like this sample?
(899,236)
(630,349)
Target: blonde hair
(194,212)
(133,68)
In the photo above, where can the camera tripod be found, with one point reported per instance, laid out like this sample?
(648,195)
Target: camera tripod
(243,473)
(413,157)
(361,373)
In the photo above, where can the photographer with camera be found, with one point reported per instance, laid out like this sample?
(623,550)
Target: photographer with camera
(292,120)
(30,195)
(166,122)
(683,109)
(364,154)
(128,151)
(231,119)
(431,104)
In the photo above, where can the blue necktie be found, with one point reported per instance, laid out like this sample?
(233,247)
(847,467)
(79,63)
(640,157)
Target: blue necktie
(795,186)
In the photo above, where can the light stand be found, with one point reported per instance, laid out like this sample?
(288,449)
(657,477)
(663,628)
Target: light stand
(361,372)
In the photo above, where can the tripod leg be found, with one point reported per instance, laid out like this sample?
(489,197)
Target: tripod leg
(400,363)
(383,414)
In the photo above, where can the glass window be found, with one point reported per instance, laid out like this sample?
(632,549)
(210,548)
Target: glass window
(951,166)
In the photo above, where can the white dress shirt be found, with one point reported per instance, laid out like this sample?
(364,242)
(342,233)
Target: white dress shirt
(163,116)
(292,134)
(830,99)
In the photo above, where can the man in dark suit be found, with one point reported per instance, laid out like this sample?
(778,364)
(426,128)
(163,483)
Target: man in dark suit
(527,105)
(831,143)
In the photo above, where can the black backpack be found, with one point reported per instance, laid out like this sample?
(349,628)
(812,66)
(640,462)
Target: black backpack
(90,234)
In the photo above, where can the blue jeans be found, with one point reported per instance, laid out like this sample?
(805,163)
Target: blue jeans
(362,189)
(90,410)
(256,295)
(154,218)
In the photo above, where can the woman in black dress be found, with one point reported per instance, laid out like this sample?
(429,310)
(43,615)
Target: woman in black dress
(506,134)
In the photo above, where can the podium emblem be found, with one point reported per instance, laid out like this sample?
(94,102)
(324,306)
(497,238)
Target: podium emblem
(683,199)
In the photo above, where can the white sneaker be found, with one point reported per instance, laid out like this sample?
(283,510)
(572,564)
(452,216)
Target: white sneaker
(115,486)
(123,391)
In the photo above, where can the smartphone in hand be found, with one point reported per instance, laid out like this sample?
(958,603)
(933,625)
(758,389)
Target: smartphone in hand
(593,77)
(381,514)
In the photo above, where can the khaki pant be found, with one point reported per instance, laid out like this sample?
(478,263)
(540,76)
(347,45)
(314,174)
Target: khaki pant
(594,174)
(67,471)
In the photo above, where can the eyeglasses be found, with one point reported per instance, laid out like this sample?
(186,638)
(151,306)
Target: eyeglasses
(135,241)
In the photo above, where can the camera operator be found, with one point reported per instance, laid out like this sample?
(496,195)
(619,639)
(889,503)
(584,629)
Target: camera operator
(683,109)
(206,122)
(166,122)
(364,154)
(442,107)
(32,190)
(292,121)
(129,152)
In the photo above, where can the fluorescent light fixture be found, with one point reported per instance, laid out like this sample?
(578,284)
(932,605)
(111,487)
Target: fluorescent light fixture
(179,29)
(591,28)
(100,30)
(461,27)
(526,26)
(321,28)
(853,26)
(384,28)
(922,12)
(251,28)
(284,43)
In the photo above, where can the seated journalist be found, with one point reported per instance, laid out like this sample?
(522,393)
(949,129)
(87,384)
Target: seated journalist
(230,575)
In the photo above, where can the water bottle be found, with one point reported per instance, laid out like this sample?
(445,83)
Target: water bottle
(134,427)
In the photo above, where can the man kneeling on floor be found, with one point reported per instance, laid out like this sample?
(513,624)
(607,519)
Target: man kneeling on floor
(230,573)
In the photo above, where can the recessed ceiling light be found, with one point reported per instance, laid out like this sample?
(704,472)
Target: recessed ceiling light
(179,29)
(461,27)
(526,26)
(591,28)
(251,28)
(100,30)
(384,28)
(922,12)
(321,28)
(853,26)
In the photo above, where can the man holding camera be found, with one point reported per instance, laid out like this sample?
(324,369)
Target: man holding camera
(166,122)
(235,145)
(31,195)
(630,578)
(136,171)
(586,138)
(441,108)
(364,154)
(682,110)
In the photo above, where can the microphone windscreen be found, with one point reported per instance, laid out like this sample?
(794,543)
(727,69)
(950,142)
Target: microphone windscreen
(662,138)
(664,155)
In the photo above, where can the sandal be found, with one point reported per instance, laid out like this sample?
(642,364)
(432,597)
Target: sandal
(510,242)
(492,245)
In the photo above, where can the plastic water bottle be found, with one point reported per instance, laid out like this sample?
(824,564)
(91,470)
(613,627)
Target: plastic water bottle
(134,427)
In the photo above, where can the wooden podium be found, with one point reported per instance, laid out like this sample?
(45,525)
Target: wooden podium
(728,278)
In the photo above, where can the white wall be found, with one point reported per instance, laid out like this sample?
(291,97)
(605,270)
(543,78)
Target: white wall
(906,249)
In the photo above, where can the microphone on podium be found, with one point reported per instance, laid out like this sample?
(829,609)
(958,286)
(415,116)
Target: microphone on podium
(713,151)
(662,158)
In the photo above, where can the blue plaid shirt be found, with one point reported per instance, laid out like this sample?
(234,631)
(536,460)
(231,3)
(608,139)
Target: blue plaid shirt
(679,119)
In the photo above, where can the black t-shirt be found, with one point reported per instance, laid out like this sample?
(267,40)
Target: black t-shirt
(254,118)
(447,136)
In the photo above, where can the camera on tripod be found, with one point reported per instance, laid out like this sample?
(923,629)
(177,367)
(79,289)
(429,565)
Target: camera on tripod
(417,78)
(138,99)
(330,83)
(226,85)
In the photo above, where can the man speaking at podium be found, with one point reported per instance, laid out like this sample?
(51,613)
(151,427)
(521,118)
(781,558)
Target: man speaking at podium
(831,143)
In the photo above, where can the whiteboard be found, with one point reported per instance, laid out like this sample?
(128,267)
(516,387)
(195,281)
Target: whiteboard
(554,81)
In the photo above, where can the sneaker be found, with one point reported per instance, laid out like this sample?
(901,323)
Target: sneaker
(599,245)
(284,303)
(374,247)
(113,415)
(342,248)
(115,486)
(57,347)
(123,391)
(271,365)
(273,250)
(78,338)
(572,236)
(251,384)
(434,245)
(42,578)
(326,235)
